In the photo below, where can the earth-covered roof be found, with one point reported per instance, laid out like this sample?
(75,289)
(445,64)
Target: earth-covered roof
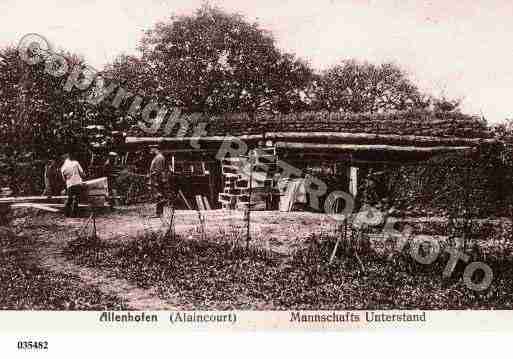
(409,123)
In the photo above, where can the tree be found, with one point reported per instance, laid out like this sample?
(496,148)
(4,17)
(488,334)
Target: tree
(38,119)
(214,62)
(354,86)
(444,104)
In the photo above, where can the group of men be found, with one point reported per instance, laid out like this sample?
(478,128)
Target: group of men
(73,175)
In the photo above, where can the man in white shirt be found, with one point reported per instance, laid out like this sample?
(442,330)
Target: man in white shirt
(72,173)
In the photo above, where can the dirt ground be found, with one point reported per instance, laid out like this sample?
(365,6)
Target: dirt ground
(279,232)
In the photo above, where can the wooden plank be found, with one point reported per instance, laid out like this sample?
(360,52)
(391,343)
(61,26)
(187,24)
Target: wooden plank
(206,203)
(287,201)
(294,194)
(57,205)
(263,151)
(13,200)
(184,199)
(227,198)
(199,202)
(233,160)
(233,191)
(353,180)
(230,168)
(35,206)
(255,206)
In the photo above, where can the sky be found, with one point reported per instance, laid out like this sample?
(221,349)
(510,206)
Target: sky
(460,49)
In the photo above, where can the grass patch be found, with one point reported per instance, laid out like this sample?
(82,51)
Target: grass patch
(210,274)
(26,286)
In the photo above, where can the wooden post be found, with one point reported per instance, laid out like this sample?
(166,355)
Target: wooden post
(199,203)
(248,234)
(211,184)
(353,181)
(335,249)
(94,224)
(467,216)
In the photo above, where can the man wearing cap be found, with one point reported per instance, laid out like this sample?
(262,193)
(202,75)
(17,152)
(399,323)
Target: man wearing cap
(158,174)
(108,170)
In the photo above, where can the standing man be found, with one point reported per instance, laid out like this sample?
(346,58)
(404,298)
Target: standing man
(52,179)
(72,173)
(158,179)
(107,170)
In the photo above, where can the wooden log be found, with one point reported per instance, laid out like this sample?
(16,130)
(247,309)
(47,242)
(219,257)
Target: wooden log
(349,137)
(345,147)
(29,199)
(138,141)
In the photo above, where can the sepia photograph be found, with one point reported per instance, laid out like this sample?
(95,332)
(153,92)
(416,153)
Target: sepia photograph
(341,161)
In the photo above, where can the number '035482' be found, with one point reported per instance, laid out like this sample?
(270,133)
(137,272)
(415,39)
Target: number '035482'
(33,345)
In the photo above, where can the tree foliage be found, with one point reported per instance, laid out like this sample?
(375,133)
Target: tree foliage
(354,86)
(215,62)
(38,119)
